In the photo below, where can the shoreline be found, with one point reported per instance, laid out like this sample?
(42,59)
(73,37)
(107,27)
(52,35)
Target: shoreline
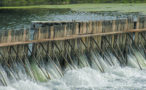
(120,7)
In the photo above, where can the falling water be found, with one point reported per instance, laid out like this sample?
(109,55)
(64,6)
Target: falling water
(89,71)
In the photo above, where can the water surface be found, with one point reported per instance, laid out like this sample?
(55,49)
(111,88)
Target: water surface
(21,18)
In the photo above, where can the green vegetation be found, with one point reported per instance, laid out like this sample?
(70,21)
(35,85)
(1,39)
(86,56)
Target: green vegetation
(44,2)
(129,7)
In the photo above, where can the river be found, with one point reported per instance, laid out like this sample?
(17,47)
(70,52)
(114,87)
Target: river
(86,78)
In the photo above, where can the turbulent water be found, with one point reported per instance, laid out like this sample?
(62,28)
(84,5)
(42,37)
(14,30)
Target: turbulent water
(97,75)
(88,79)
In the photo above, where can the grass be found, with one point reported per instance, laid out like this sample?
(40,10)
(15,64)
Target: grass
(121,7)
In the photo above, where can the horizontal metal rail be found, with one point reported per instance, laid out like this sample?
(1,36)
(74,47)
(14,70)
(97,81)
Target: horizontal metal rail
(69,37)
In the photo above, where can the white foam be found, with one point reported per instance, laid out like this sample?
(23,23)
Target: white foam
(115,78)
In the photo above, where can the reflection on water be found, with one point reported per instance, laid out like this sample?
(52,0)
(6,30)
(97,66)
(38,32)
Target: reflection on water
(16,19)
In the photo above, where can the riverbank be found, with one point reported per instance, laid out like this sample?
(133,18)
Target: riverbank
(129,7)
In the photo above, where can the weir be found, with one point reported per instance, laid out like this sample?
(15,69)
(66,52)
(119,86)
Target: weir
(51,48)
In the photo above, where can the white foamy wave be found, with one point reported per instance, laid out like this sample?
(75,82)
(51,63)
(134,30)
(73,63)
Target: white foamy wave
(24,85)
(86,78)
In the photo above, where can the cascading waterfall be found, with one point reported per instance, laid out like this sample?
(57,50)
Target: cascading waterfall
(46,70)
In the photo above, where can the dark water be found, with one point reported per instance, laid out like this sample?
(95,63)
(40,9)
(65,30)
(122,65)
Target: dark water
(16,19)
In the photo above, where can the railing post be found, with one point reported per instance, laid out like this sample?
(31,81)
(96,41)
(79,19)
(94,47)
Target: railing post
(65,31)
(77,28)
(9,36)
(52,32)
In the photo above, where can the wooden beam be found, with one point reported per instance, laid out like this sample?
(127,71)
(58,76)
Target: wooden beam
(69,37)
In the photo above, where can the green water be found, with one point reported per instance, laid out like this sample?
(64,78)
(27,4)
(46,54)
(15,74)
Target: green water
(22,18)
(121,7)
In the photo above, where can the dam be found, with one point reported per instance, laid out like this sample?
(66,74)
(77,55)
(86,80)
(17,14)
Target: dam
(51,48)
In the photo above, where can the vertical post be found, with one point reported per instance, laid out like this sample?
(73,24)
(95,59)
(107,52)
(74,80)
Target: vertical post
(65,31)
(114,26)
(24,35)
(94,27)
(99,31)
(9,36)
(77,28)
(137,24)
(126,25)
(84,28)
(90,27)
(62,30)
(124,35)
(119,27)
(100,27)
(5,37)
(113,29)
(47,32)
(39,33)
(136,33)
(81,28)
(13,36)
(96,24)
(52,32)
